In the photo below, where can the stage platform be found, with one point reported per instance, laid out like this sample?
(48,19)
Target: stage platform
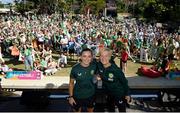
(142,88)
(61,83)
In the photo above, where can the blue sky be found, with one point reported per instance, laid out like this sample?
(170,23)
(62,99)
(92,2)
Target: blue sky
(6,1)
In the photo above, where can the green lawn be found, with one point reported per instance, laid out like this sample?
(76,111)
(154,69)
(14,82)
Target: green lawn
(131,66)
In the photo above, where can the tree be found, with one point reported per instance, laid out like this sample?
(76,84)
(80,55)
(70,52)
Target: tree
(23,6)
(165,11)
(93,6)
(129,3)
(42,6)
(120,6)
(162,10)
(63,5)
(1,5)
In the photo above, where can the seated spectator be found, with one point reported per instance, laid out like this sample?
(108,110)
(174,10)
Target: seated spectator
(36,65)
(62,61)
(48,54)
(51,67)
(71,46)
(170,64)
(4,68)
(43,64)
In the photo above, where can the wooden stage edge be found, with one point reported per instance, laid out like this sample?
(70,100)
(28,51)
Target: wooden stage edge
(61,83)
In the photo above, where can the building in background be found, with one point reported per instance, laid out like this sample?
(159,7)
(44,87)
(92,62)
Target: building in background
(111,8)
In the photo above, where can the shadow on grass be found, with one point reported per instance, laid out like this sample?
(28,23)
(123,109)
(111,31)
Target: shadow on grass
(13,61)
(71,63)
(55,57)
(17,69)
(144,63)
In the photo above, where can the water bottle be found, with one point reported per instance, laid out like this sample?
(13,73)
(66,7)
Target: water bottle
(94,79)
(99,84)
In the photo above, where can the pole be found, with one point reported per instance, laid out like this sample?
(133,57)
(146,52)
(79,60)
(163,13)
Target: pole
(105,12)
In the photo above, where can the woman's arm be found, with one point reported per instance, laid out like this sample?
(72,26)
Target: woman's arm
(71,87)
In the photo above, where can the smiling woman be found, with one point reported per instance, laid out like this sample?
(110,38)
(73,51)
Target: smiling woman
(81,87)
(115,84)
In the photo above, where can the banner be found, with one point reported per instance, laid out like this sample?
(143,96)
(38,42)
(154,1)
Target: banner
(24,75)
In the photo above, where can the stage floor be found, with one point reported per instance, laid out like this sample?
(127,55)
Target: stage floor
(58,82)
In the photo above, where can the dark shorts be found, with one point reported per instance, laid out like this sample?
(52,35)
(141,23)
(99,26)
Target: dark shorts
(88,102)
(119,102)
(123,61)
(40,43)
(64,49)
(71,51)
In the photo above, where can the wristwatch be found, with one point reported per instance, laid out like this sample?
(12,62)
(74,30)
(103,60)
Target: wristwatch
(69,97)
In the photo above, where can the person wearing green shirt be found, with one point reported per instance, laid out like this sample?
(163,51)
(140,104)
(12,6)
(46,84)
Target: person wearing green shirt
(81,86)
(44,64)
(114,36)
(114,83)
(108,41)
(28,57)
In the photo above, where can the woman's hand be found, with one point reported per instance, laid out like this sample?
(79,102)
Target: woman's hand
(98,77)
(71,101)
(128,98)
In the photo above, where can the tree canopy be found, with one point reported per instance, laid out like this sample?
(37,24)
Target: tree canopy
(151,10)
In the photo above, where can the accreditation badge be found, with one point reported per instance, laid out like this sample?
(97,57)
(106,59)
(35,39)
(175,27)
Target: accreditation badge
(92,72)
(79,74)
(110,77)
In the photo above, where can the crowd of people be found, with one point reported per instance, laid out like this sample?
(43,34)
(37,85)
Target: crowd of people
(33,40)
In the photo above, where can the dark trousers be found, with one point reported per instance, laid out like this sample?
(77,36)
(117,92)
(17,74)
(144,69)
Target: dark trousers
(119,102)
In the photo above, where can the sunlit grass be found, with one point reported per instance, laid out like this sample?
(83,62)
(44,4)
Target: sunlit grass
(131,66)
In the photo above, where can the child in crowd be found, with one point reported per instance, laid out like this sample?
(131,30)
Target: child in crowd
(51,67)
(36,65)
(4,68)
(144,54)
(124,58)
(62,61)
(43,64)
(48,54)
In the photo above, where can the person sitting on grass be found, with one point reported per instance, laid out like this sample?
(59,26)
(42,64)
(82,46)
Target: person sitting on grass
(43,64)
(4,68)
(36,65)
(62,61)
(51,67)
